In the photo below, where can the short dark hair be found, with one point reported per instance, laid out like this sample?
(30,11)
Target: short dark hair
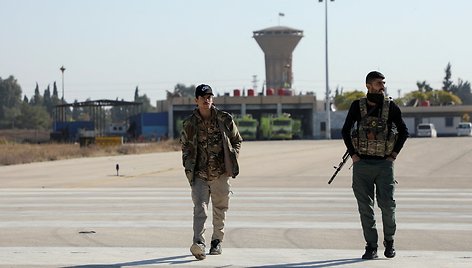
(373,75)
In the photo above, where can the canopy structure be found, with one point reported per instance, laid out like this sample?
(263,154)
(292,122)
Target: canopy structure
(97,111)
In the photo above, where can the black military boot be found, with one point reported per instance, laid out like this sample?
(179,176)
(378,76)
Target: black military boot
(215,247)
(389,249)
(370,253)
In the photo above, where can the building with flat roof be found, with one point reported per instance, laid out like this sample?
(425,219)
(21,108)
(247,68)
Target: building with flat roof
(302,107)
(311,113)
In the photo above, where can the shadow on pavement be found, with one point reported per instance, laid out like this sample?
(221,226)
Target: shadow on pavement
(166,260)
(327,263)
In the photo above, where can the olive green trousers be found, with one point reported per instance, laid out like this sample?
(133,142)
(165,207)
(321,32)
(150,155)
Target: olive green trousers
(369,178)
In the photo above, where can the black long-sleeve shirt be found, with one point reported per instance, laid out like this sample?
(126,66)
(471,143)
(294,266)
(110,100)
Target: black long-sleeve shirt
(394,116)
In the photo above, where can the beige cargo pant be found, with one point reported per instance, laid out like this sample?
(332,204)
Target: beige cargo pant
(202,191)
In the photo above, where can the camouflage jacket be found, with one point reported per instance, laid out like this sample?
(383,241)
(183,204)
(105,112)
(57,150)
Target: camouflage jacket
(208,153)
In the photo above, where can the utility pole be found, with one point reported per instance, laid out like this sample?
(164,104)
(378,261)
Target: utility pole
(62,70)
(254,82)
(328,100)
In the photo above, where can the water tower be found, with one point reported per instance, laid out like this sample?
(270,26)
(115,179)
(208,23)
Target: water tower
(278,44)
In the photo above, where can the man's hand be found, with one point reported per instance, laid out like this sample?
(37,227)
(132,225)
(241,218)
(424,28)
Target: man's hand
(392,156)
(355,158)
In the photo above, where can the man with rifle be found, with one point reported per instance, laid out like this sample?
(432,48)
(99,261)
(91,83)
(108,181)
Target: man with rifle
(374,133)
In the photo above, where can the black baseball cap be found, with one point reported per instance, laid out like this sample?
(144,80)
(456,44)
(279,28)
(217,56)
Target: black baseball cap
(203,90)
(373,75)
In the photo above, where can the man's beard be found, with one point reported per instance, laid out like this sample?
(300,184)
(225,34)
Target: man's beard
(376,98)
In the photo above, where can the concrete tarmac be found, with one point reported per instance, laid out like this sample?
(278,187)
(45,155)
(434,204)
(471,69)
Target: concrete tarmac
(82,213)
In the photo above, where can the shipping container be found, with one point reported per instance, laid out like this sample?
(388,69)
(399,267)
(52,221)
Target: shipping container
(149,126)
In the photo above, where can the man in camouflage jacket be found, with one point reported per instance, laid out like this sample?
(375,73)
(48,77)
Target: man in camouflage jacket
(210,147)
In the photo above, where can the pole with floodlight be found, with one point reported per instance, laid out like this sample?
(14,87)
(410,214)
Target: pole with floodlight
(62,70)
(327,101)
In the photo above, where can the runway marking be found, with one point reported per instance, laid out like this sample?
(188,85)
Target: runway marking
(422,209)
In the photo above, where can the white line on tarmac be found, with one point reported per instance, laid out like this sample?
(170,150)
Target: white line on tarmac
(232,213)
(231,224)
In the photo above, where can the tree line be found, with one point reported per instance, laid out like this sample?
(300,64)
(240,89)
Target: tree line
(449,94)
(38,111)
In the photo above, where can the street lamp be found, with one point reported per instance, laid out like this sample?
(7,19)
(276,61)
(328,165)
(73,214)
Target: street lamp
(328,102)
(62,70)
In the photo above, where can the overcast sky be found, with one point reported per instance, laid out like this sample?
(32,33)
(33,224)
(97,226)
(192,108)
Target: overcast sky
(109,47)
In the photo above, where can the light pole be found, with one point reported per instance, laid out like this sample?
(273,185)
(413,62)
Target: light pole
(62,70)
(328,101)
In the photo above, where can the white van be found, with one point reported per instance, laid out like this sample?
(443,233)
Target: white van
(426,130)
(464,129)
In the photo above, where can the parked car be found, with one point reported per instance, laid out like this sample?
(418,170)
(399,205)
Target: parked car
(464,129)
(426,130)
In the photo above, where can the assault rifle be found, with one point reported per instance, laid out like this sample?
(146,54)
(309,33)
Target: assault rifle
(338,168)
